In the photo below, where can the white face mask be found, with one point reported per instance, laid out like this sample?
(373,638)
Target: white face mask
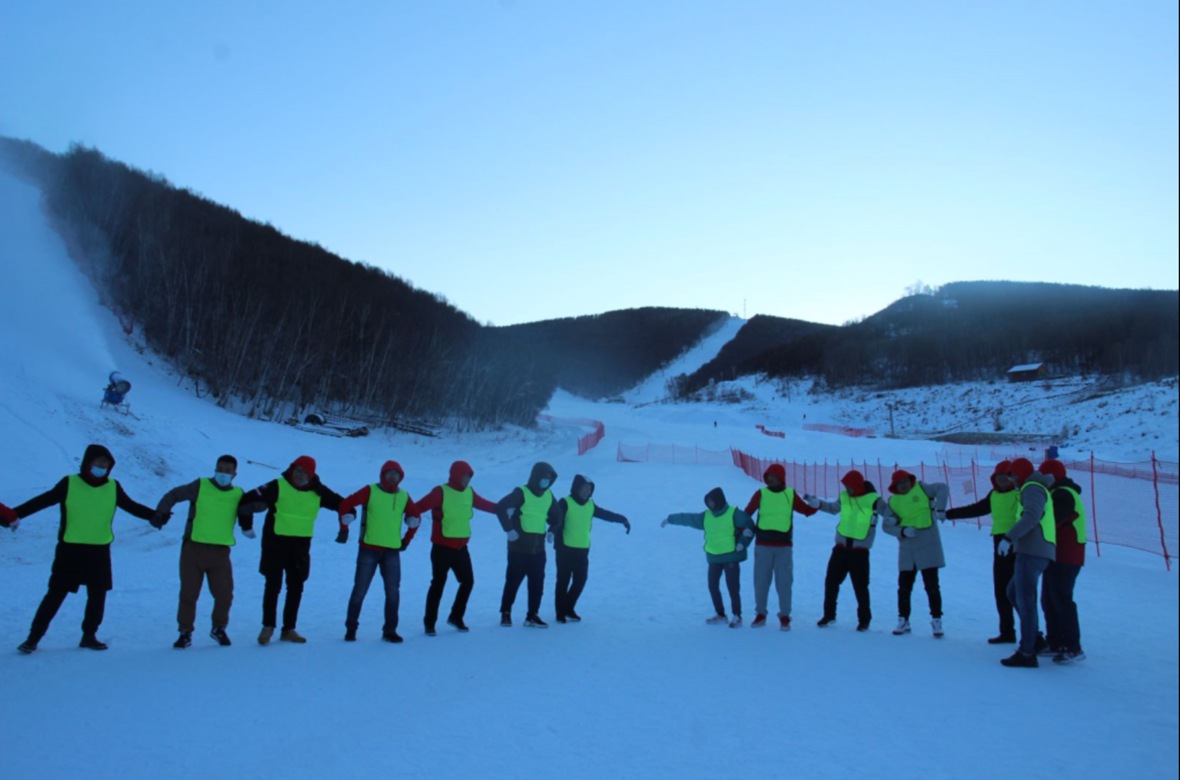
(99,473)
(223,479)
(543,483)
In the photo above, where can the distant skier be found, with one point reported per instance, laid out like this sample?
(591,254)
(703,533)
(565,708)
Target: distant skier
(728,531)
(1002,503)
(571,544)
(910,515)
(383,510)
(774,559)
(88,501)
(451,507)
(292,502)
(213,508)
(526,515)
(857,506)
(1062,631)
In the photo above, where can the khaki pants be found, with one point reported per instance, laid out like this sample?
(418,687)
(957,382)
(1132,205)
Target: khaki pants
(197,562)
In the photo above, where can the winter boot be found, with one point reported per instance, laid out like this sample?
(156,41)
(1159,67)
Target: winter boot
(506,619)
(903,626)
(291,635)
(350,635)
(392,636)
(184,640)
(936,626)
(218,633)
(92,642)
(265,634)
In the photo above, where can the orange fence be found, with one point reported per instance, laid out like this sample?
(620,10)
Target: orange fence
(587,442)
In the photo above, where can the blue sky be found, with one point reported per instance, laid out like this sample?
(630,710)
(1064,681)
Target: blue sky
(529,160)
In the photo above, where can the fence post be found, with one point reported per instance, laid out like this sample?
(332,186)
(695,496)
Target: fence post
(1094,504)
(1159,517)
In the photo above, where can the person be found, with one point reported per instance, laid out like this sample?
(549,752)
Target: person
(909,515)
(728,531)
(776,505)
(88,501)
(571,544)
(1062,631)
(451,507)
(526,514)
(1033,540)
(1001,502)
(857,506)
(291,502)
(383,511)
(213,506)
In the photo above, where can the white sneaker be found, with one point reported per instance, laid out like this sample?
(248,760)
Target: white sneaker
(903,627)
(715,619)
(936,624)
(736,622)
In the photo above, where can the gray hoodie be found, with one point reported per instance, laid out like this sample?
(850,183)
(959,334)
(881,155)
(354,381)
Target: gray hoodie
(1027,536)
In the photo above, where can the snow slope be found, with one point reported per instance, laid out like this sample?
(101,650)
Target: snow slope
(641,689)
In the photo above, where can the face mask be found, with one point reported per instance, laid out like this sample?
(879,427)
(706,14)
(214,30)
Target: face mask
(543,483)
(98,473)
(223,479)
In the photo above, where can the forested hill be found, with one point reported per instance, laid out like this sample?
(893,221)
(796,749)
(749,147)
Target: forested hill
(970,331)
(277,327)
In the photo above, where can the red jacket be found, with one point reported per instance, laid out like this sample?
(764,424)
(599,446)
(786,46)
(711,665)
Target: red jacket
(432,502)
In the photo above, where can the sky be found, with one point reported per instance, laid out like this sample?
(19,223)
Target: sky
(529,160)
(641,688)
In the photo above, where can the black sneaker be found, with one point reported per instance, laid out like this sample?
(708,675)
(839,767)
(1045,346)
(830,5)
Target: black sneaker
(1020,660)
(864,626)
(430,630)
(1002,639)
(560,618)
(534,621)
(392,636)
(184,640)
(350,635)
(506,619)
(218,633)
(825,621)
(573,617)
(91,642)
(457,623)
(29,645)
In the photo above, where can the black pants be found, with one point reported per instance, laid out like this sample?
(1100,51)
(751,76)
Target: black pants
(733,583)
(520,566)
(290,557)
(905,586)
(573,567)
(96,600)
(443,561)
(854,562)
(1061,611)
(1002,568)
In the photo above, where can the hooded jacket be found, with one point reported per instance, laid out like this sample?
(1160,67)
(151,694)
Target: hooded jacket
(361,499)
(743,526)
(267,496)
(563,509)
(833,508)
(508,509)
(768,538)
(1069,550)
(1027,536)
(432,502)
(923,550)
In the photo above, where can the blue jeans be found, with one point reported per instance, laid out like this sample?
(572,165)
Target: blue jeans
(733,584)
(368,560)
(1022,592)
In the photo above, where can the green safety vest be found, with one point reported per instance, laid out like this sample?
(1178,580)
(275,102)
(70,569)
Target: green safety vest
(775,509)
(1005,508)
(1048,522)
(458,506)
(215,513)
(912,508)
(856,515)
(383,517)
(1079,522)
(534,511)
(719,532)
(578,518)
(90,511)
(295,511)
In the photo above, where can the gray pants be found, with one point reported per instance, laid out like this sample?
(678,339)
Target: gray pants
(200,563)
(777,563)
(1022,592)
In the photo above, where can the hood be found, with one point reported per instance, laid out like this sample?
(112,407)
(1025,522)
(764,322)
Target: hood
(854,482)
(1053,467)
(541,470)
(776,470)
(93,453)
(459,469)
(578,482)
(1041,479)
(390,465)
(1003,467)
(898,476)
(717,496)
(307,463)
(1022,469)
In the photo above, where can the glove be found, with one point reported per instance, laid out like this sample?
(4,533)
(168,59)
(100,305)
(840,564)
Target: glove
(513,535)
(413,522)
(748,533)
(348,518)
(7,517)
(909,533)
(249,533)
(940,515)
(158,520)
(1004,548)
(549,537)
(811,501)
(627,526)
(405,543)
(739,547)
(342,535)
(663,522)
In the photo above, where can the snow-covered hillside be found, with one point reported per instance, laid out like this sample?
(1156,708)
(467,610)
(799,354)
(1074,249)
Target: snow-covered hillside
(641,689)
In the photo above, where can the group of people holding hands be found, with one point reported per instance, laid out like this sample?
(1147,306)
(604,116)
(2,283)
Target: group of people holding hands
(1038,527)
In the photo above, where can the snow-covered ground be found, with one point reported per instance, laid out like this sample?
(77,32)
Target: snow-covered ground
(642,688)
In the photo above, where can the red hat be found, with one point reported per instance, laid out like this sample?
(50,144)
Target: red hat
(1053,467)
(854,481)
(898,476)
(1022,469)
(305,462)
(776,470)
(1003,467)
